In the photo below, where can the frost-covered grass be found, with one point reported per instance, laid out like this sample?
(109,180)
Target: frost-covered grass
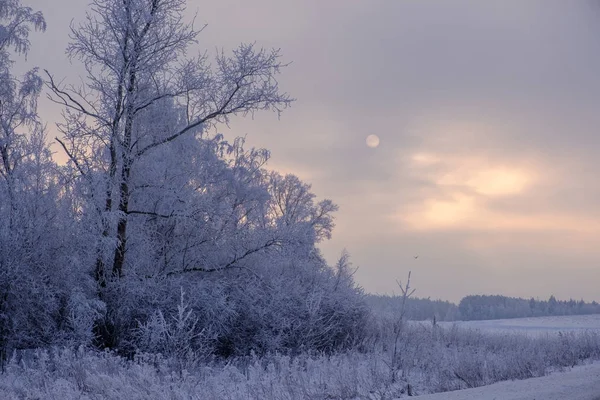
(580,383)
(432,360)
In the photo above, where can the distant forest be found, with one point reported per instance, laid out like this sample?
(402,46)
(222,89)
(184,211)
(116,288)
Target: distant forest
(480,307)
(498,307)
(416,309)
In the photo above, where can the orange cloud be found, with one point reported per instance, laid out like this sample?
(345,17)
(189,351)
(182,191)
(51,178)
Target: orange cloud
(446,213)
(464,186)
(500,181)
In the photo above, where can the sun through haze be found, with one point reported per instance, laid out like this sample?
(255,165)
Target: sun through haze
(464,132)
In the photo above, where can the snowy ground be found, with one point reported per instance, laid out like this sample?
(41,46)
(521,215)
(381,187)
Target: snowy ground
(535,326)
(580,383)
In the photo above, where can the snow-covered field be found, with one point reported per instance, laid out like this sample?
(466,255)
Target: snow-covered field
(535,326)
(580,383)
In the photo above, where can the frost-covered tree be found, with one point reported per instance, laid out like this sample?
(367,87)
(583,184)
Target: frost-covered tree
(142,98)
(18,96)
(292,204)
(170,207)
(29,306)
(135,54)
(44,294)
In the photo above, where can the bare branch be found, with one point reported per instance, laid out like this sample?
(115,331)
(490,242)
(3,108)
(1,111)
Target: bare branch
(65,99)
(232,263)
(71,156)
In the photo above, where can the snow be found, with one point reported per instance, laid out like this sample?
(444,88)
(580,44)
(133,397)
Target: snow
(534,326)
(579,383)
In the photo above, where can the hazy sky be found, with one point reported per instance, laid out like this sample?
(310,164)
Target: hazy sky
(489,126)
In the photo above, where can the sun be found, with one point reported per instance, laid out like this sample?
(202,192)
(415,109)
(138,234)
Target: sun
(372,141)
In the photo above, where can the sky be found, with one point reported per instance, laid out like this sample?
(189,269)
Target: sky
(488,125)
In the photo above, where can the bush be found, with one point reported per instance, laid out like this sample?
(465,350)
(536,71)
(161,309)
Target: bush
(283,307)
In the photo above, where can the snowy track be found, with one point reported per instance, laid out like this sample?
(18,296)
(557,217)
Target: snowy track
(579,383)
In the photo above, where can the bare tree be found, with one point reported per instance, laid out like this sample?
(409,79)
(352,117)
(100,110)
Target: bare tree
(399,327)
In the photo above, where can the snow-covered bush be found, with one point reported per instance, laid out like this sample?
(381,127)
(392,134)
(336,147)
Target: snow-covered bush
(281,307)
(83,314)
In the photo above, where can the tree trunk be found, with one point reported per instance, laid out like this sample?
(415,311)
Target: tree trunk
(100,270)
(119,258)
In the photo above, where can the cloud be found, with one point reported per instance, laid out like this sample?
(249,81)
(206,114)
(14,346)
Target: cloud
(487,115)
(466,189)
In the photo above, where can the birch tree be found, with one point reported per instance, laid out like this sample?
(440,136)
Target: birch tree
(27,190)
(18,96)
(134,52)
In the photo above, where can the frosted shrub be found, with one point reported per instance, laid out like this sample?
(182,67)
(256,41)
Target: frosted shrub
(177,337)
(83,314)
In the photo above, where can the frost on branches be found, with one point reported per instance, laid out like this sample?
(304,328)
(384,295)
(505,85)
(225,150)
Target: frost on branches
(158,235)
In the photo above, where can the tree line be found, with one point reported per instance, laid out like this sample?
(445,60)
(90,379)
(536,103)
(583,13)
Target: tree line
(416,309)
(479,307)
